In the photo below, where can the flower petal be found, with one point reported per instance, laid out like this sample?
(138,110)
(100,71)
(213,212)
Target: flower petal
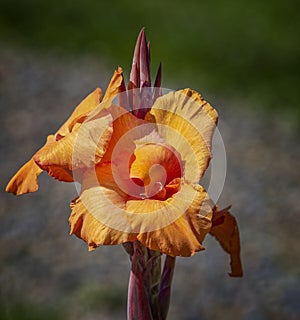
(124,125)
(155,165)
(226,231)
(90,103)
(88,226)
(116,85)
(102,175)
(84,108)
(187,122)
(83,147)
(25,180)
(182,237)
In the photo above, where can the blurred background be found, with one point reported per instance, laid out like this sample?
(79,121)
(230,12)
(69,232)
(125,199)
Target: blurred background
(244,59)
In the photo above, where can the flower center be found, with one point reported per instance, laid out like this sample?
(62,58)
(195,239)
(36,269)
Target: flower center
(154,170)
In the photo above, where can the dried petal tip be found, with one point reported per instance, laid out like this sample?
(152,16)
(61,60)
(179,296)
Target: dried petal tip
(226,231)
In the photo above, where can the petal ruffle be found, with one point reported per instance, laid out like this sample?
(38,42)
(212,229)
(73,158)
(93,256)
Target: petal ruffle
(182,236)
(25,180)
(81,148)
(91,217)
(101,216)
(226,231)
(187,122)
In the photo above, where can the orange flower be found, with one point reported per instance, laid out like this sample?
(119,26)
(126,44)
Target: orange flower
(138,171)
(139,177)
(145,186)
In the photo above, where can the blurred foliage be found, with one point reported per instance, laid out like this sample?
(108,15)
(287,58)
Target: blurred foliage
(109,298)
(243,49)
(25,310)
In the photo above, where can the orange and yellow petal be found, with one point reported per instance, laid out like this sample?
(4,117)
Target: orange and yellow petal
(126,128)
(116,86)
(102,175)
(25,180)
(93,215)
(176,226)
(84,108)
(91,102)
(226,231)
(81,148)
(187,122)
(155,164)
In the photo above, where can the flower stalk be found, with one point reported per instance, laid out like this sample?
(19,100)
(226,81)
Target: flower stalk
(144,283)
(149,290)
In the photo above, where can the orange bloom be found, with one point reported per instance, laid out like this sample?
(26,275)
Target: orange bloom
(147,178)
(139,177)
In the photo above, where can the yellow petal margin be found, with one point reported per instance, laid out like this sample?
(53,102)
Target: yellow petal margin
(184,236)
(187,122)
(226,231)
(101,216)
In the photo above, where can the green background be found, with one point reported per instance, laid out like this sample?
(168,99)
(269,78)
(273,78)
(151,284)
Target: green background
(246,50)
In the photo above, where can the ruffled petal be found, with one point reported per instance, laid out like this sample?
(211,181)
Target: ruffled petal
(92,214)
(81,148)
(187,218)
(25,180)
(177,226)
(187,122)
(83,109)
(226,231)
